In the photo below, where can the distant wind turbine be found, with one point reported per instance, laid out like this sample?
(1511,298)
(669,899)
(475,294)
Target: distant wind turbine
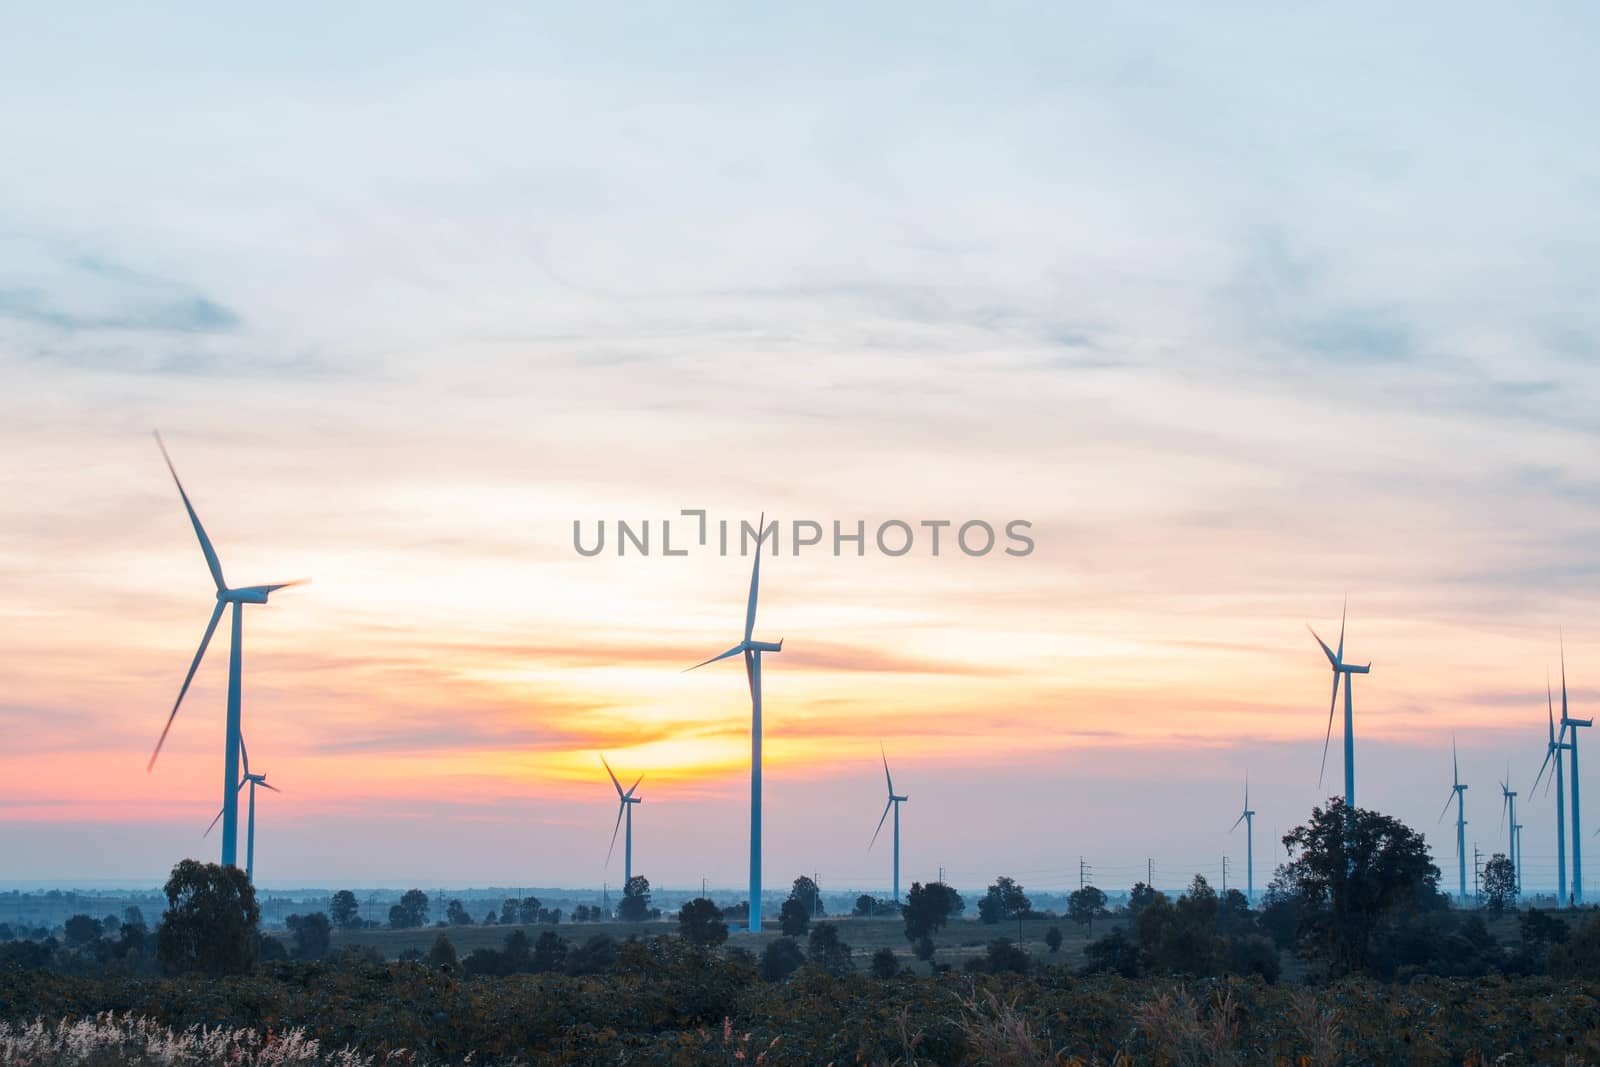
(1568,722)
(1553,754)
(752,650)
(894,802)
(1248,818)
(238,597)
(1458,793)
(252,780)
(1344,670)
(626,801)
(1508,807)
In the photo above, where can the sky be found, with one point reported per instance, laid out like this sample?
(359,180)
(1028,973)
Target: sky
(1243,311)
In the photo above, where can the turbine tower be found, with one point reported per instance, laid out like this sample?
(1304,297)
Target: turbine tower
(1508,807)
(1553,753)
(1458,793)
(252,780)
(1516,835)
(1248,818)
(238,597)
(626,801)
(1344,670)
(752,650)
(894,802)
(1567,721)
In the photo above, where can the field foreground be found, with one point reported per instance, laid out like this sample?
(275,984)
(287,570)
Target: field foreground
(667,1003)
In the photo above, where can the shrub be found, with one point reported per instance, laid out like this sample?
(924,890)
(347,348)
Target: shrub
(884,963)
(826,951)
(443,953)
(781,959)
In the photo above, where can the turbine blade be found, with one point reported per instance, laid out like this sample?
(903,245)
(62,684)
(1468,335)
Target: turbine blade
(1455,762)
(755,579)
(1332,657)
(879,830)
(268,785)
(1329,735)
(1342,610)
(734,651)
(1564,684)
(211,628)
(750,675)
(886,777)
(200,531)
(1547,754)
(1447,805)
(635,785)
(620,809)
(1236,823)
(612,773)
(244,754)
(213,825)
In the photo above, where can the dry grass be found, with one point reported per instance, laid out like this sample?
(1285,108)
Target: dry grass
(111,1040)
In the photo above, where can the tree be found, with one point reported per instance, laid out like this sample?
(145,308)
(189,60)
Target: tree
(442,954)
(1499,883)
(531,910)
(1578,956)
(1139,896)
(884,963)
(81,930)
(1003,957)
(928,908)
(809,896)
(549,952)
(700,922)
(1005,900)
(1086,905)
(635,904)
(313,935)
(1355,869)
(211,921)
(1115,953)
(923,948)
(344,910)
(411,912)
(1052,939)
(793,918)
(781,959)
(826,951)
(456,915)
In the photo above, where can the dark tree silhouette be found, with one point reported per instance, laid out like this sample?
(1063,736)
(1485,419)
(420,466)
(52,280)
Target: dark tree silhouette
(826,951)
(312,934)
(344,911)
(1353,870)
(1004,901)
(635,904)
(1499,884)
(701,923)
(928,908)
(210,925)
(793,918)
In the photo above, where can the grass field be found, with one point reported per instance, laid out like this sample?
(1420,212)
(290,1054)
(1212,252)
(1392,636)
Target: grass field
(961,940)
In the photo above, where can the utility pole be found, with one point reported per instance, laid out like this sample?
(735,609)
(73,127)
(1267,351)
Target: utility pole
(1224,875)
(816,891)
(1150,873)
(1083,872)
(702,888)
(941,874)
(1475,861)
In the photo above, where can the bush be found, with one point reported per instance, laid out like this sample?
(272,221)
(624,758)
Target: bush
(313,935)
(1052,939)
(443,953)
(793,918)
(1578,956)
(701,923)
(781,959)
(884,963)
(826,951)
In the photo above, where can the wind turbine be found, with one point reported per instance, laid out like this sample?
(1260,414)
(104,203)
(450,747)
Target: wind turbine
(1248,818)
(625,807)
(1553,753)
(1344,670)
(226,595)
(1458,793)
(894,802)
(1577,834)
(252,780)
(1508,806)
(752,650)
